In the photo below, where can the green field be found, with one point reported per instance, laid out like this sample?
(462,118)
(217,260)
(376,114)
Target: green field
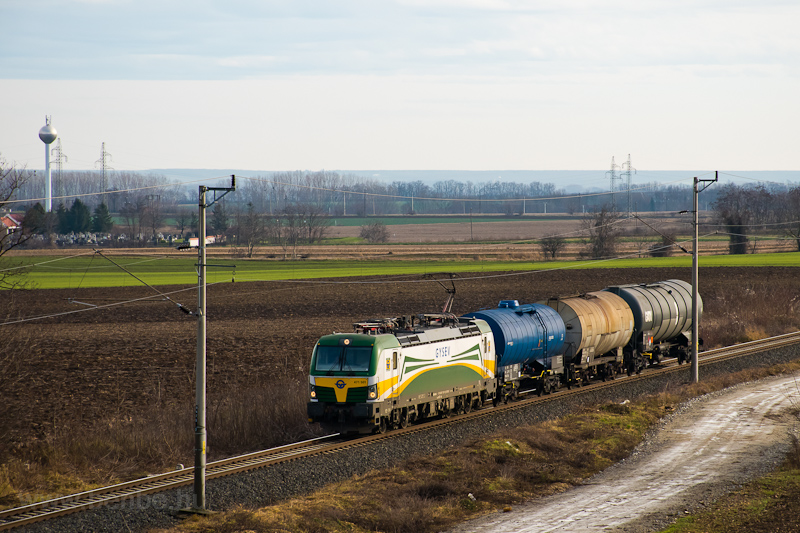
(91,270)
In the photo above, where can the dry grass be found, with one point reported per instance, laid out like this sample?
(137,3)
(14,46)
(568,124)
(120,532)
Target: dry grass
(748,312)
(74,458)
(428,494)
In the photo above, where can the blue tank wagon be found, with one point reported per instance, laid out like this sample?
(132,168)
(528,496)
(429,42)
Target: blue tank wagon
(529,341)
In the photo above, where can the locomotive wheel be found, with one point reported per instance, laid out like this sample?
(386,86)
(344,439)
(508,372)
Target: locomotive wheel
(462,405)
(467,405)
(546,386)
(382,427)
(403,419)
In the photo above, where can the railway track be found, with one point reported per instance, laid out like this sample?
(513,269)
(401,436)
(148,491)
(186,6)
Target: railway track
(25,515)
(29,514)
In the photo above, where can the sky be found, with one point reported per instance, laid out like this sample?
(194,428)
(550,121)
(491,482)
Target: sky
(403,84)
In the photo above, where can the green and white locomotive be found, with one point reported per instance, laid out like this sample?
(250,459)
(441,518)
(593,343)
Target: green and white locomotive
(392,371)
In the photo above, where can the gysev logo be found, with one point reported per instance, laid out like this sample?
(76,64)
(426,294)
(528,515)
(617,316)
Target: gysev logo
(340,384)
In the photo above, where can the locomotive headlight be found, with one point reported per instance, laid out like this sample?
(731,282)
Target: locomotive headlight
(313,391)
(372,392)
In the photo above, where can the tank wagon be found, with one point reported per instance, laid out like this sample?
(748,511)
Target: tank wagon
(662,321)
(597,326)
(392,371)
(529,342)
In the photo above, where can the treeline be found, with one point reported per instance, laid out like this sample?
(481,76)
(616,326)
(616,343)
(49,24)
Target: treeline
(293,207)
(142,196)
(744,210)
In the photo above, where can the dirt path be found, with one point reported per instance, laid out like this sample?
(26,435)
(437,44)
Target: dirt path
(700,453)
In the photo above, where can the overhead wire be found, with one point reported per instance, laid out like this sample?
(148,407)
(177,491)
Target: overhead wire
(46,262)
(105,306)
(180,306)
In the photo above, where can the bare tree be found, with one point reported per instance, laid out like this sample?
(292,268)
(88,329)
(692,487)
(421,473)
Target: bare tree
(316,223)
(251,229)
(133,216)
(290,230)
(603,232)
(12,179)
(792,215)
(733,209)
(153,215)
(183,220)
(551,245)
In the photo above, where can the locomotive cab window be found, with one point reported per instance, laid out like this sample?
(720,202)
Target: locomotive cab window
(394,359)
(343,358)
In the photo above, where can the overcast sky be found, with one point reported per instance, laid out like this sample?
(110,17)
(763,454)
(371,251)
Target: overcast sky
(403,84)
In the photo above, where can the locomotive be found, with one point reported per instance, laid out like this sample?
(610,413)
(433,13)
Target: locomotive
(392,371)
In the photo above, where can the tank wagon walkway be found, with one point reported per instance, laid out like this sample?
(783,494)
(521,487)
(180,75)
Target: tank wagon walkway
(701,453)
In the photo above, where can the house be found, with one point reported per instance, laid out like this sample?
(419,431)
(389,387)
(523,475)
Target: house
(10,223)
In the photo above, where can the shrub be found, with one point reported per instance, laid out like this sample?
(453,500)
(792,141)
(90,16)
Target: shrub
(375,232)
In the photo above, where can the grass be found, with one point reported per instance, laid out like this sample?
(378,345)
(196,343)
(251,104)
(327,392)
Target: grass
(93,271)
(766,505)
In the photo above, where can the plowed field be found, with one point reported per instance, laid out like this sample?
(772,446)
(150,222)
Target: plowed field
(115,361)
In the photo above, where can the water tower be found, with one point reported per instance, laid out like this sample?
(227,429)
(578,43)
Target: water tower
(48,135)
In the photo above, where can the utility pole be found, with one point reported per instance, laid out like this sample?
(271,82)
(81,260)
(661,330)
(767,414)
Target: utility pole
(470,225)
(695,310)
(199,503)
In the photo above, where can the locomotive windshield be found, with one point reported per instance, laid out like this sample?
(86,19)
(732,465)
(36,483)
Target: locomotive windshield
(343,358)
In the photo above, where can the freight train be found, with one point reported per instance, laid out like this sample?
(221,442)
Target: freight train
(392,371)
